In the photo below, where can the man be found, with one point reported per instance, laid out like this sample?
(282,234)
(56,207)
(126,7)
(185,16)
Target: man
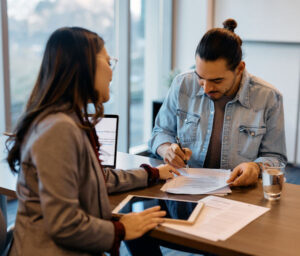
(224,117)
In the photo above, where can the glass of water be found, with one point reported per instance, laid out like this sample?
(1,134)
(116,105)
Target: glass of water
(273,179)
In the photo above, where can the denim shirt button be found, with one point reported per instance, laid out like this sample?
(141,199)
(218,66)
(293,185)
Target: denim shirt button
(185,120)
(252,133)
(227,117)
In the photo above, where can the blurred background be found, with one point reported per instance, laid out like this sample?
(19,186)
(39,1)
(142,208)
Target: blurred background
(154,40)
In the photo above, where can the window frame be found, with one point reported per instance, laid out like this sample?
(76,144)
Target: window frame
(5,113)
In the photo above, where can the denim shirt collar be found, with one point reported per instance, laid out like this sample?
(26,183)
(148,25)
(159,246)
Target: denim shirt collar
(243,94)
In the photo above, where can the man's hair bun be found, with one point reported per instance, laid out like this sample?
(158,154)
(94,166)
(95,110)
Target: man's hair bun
(230,24)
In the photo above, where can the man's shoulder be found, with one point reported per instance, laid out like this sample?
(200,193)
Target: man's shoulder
(184,77)
(263,94)
(261,85)
(187,74)
(186,83)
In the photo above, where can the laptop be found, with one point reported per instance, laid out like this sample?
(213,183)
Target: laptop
(107,131)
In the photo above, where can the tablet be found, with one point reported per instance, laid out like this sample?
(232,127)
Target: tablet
(178,211)
(107,132)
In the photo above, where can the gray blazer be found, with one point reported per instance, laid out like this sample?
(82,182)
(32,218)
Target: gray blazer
(63,201)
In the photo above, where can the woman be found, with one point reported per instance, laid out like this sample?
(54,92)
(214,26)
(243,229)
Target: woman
(62,189)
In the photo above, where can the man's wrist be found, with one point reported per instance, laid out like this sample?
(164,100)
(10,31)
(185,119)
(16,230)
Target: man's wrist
(260,168)
(161,150)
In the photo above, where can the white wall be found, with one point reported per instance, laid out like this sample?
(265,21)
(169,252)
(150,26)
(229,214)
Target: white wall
(267,20)
(191,19)
(279,64)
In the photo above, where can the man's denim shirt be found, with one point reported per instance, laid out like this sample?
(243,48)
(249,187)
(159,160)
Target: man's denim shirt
(253,128)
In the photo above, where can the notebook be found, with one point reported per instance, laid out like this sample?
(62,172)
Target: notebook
(107,131)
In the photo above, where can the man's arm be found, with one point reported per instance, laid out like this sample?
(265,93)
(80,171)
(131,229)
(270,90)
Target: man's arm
(163,141)
(272,150)
(165,128)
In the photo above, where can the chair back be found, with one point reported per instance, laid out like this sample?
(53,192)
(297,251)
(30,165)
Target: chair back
(2,231)
(6,237)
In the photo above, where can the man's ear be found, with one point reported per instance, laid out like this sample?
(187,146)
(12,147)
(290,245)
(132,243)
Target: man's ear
(240,68)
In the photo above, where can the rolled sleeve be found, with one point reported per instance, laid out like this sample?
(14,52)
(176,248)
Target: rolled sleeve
(118,180)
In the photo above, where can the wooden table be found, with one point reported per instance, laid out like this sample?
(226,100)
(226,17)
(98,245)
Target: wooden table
(277,232)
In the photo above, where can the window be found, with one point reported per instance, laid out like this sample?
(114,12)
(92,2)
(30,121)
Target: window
(30,23)
(137,56)
(144,23)
(151,46)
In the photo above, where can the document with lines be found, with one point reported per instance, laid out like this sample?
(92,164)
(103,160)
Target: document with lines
(220,218)
(195,181)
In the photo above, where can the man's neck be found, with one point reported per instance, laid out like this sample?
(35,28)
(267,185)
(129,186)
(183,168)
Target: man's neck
(236,86)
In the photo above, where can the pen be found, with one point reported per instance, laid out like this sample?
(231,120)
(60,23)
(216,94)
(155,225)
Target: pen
(179,144)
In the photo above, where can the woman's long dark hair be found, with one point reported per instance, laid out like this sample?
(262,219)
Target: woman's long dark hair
(66,78)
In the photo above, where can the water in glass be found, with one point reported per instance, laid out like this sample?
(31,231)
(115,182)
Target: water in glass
(273,179)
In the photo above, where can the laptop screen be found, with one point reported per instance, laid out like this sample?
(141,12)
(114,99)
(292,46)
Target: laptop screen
(107,131)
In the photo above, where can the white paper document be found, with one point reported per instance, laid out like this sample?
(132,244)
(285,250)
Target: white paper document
(195,181)
(220,218)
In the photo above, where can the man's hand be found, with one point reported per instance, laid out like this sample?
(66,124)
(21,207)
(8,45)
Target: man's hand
(244,174)
(173,155)
(137,224)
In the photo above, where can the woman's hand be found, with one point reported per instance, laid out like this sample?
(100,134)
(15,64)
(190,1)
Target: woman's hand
(167,171)
(137,224)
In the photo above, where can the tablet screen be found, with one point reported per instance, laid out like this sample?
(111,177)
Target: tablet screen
(180,210)
(107,132)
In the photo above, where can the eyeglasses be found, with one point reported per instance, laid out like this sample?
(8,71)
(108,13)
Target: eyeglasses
(113,62)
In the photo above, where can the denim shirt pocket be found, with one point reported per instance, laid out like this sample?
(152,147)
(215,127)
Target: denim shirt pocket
(187,124)
(249,141)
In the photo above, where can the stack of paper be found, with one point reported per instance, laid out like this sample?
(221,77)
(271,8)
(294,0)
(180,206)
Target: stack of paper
(220,218)
(194,181)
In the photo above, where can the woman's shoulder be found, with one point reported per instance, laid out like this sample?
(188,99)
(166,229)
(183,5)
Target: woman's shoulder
(53,128)
(56,120)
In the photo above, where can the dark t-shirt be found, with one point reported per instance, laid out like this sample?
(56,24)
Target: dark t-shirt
(213,155)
